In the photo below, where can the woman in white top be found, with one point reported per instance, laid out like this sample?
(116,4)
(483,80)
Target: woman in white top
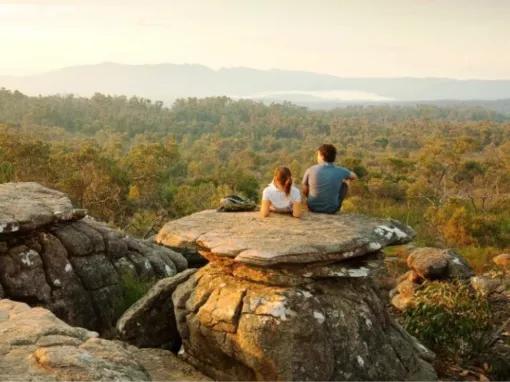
(281,196)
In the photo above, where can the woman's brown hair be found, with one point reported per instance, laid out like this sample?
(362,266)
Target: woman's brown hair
(283,177)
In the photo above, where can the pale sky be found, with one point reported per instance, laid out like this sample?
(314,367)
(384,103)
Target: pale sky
(390,38)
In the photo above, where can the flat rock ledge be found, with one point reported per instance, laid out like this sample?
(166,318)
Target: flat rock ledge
(26,206)
(37,346)
(279,239)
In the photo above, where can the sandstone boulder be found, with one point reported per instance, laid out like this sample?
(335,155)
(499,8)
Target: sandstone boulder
(402,297)
(434,263)
(78,268)
(458,267)
(37,346)
(484,285)
(410,276)
(150,322)
(428,263)
(502,260)
(331,329)
(289,299)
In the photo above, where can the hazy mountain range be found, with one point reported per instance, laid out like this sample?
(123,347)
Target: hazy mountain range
(166,82)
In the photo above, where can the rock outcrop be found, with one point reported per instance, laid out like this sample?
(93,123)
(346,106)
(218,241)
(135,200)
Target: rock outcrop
(435,263)
(291,299)
(150,322)
(428,264)
(502,260)
(35,345)
(77,267)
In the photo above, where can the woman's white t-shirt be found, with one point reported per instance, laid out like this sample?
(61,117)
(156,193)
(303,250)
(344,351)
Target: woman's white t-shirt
(279,200)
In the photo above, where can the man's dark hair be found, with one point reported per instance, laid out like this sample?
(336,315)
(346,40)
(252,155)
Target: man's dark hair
(328,152)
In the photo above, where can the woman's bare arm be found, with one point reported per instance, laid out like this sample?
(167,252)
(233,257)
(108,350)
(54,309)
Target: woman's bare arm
(297,209)
(264,208)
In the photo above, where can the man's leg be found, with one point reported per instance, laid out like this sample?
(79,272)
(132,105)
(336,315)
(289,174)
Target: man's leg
(342,194)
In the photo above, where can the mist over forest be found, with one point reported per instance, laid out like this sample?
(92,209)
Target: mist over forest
(168,82)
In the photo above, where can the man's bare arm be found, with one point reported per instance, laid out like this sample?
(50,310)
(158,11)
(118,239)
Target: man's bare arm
(305,189)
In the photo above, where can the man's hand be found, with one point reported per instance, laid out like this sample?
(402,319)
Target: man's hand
(352,176)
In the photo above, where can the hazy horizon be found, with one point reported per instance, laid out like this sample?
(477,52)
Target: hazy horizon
(217,69)
(414,38)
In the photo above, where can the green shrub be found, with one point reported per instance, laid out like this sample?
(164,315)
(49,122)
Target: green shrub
(450,318)
(132,290)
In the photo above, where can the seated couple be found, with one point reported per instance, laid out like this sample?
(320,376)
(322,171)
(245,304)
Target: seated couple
(324,185)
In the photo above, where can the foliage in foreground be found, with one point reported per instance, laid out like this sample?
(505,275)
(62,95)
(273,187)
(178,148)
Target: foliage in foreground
(132,290)
(449,318)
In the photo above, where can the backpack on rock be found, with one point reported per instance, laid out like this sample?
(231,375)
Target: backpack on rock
(235,203)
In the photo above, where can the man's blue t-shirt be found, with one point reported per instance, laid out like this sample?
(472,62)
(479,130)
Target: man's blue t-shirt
(324,181)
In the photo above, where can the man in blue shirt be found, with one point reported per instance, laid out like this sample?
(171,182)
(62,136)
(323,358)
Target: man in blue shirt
(325,184)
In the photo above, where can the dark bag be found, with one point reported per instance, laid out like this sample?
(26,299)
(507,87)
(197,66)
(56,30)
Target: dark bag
(235,203)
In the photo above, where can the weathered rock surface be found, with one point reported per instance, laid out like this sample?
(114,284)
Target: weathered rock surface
(150,322)
(79,269)
(35,345)
(331,329)
(28,205)
(458,267)
(502,260)
(247,238)
(430,264)
(163,365)
(484,285)
(402,296)
(301,306)
(435,263)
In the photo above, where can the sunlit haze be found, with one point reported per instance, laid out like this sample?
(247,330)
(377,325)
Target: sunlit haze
(451,38)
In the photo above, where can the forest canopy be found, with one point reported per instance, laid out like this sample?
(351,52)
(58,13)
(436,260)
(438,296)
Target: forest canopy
(135,163)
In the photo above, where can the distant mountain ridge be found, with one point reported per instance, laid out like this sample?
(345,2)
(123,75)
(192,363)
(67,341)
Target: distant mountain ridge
(167,82)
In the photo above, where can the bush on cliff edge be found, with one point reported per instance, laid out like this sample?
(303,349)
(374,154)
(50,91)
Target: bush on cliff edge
(450,318)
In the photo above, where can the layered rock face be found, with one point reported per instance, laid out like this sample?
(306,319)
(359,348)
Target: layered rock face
(35,345)
(291,299)
(50,255)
